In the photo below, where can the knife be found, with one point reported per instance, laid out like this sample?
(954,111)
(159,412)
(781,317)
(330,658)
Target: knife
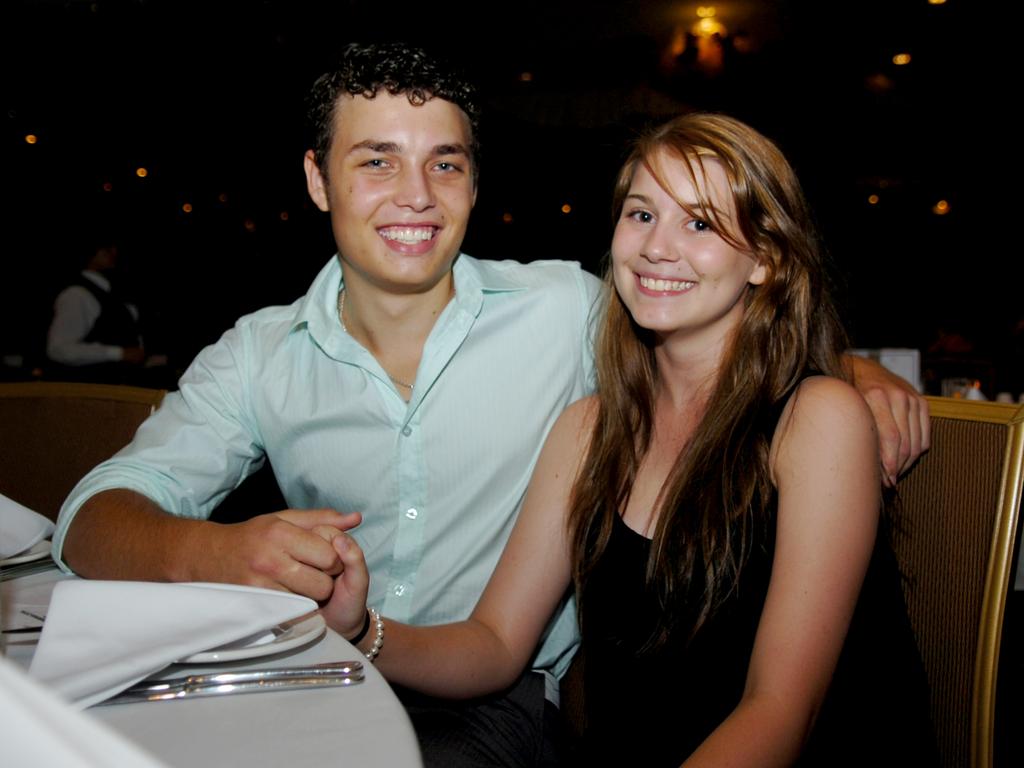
(326,669)
(25,569)
(16,630)
(212,688)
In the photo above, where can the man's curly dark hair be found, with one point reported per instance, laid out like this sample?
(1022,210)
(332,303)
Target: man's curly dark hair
(366,69)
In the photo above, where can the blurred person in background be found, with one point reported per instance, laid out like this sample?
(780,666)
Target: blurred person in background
(96,334)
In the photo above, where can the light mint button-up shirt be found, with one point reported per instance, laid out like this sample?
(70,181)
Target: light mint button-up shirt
(439,479)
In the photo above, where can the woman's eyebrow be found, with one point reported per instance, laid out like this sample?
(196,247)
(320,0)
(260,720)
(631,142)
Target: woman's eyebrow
(639,197)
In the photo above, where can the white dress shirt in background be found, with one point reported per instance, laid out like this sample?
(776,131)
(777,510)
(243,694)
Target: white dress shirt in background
(75,312)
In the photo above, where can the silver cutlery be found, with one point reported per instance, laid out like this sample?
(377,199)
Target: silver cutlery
(37,628)
(246,681)
(329,669)
(18,630)
(221,689)
(24,569)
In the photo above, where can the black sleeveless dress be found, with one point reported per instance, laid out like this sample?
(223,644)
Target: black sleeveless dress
(655,708)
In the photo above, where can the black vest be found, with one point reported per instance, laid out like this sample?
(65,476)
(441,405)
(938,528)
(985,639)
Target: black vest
(115,326)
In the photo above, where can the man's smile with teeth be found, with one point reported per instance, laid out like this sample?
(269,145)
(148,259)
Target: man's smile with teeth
(408,235)
(653,284)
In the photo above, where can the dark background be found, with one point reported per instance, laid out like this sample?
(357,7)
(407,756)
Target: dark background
(208,97)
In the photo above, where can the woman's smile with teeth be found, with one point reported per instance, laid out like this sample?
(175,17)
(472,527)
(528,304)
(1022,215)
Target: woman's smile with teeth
(657,284)
(407,234)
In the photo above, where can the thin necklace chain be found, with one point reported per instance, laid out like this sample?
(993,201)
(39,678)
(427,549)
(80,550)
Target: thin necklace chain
(341,319)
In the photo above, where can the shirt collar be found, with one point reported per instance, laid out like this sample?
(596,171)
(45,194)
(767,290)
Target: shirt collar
(474,279)
(96,279)
(318,309)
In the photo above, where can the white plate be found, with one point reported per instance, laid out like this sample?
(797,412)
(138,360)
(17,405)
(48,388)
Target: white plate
(283,637)
(37,551)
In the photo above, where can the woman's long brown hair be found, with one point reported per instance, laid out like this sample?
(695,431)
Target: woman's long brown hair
(721,486)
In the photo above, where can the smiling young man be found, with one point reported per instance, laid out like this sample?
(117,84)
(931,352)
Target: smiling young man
(399,185)
(412,384)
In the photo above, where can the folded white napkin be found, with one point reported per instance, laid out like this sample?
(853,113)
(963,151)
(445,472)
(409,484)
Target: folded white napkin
(20,527)
(102,636)
(40,729)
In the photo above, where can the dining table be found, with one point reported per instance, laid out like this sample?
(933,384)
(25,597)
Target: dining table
(357,725)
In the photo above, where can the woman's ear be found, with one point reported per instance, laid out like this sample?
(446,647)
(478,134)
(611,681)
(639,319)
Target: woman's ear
(759,275)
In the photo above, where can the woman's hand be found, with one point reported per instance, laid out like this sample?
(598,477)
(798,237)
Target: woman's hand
(345,610)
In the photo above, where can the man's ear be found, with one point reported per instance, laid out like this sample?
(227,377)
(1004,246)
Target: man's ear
(315,183)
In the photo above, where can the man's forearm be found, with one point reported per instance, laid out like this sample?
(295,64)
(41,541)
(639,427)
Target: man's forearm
(121,534)
(901,414)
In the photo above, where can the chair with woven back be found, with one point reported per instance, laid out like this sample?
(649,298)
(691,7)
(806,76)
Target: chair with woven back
(954,538)
(52,434)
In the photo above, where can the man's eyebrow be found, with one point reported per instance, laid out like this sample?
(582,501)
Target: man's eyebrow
(450,149)
(393,148)
(385,147)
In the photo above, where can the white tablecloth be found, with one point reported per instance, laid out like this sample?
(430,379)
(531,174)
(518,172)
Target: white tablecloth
(362,725)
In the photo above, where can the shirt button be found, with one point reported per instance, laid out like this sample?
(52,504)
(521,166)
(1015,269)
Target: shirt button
(412,513)
(407,431)
(400,590)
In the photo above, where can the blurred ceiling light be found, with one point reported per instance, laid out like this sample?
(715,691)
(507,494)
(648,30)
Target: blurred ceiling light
(878,83)
(900,59)
(566,208)
(222,197)
(107,186)
(31,138)
(742,43)
(936,2)
(250,225)
(506,217)
(526,77)
(141,172)
(941,208)
(872,199)
(283,216)
(678,45)
(708,26)
(709,33)
(187,207)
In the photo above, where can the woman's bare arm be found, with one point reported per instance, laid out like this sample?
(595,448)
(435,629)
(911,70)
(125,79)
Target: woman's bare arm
(826,468)
(489,650)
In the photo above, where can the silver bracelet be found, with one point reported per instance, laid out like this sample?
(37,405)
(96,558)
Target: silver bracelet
(378,640)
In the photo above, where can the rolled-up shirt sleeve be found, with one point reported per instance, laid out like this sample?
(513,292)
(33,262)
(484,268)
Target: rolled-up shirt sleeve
(194,450)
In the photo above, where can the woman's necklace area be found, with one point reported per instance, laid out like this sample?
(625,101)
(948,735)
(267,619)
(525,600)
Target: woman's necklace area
(341,319)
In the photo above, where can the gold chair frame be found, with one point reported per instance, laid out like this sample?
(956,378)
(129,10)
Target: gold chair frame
(993,576)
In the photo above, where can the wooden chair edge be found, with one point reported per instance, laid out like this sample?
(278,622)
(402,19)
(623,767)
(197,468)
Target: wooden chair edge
(116,392)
